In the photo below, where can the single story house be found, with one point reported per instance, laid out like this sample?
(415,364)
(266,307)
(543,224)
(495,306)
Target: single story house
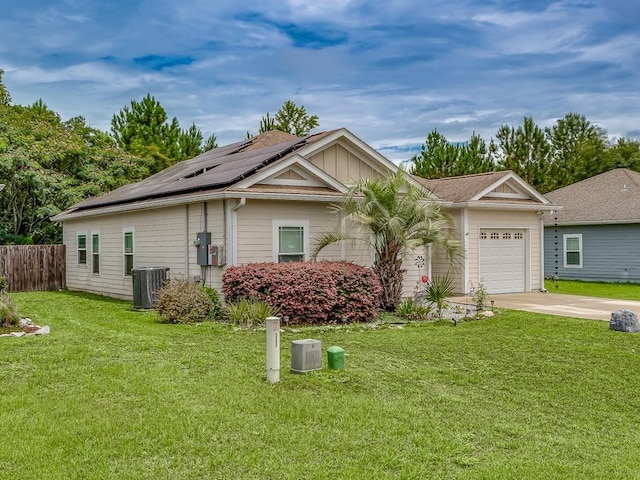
(269,197)
(596,235)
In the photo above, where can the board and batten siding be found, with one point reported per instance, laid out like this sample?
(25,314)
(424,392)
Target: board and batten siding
(610,253)
(159,239)
(343,165)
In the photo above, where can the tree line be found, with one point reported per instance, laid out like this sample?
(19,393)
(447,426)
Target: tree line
(569,151)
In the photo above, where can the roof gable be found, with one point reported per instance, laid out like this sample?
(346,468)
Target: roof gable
(293,171)
(610,197)
(492,187)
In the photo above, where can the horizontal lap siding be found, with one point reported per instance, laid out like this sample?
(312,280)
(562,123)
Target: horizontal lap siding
(255,227)
(610,253)
(440,264)
(159,240)
(215,225)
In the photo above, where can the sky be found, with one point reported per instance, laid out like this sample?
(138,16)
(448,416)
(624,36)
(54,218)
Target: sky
(390,71)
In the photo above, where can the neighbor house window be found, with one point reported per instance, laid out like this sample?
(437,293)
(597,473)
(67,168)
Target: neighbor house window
(95,253)
(128,251)
(82,249)
(573,251)
(290,241)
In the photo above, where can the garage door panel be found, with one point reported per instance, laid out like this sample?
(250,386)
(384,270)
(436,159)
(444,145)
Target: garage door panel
(502,260)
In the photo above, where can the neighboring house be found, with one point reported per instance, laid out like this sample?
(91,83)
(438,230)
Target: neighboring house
(267,199)
(498,217)
(596,234)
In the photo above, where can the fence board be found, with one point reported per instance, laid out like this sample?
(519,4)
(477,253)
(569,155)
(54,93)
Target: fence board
(30,268)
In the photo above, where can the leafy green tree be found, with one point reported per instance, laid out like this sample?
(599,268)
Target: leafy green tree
(47,165)
(577,150)
(290,119)
(5,98)
(625,153)
(190,142)
(440,158)
(267,123)
(143,129)
(395,217)
(211,143)
(525,151)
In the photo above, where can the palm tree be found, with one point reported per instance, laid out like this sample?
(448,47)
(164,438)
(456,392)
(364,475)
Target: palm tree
(395,216)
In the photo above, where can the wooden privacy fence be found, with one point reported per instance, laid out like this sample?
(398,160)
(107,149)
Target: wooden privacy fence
(31,268)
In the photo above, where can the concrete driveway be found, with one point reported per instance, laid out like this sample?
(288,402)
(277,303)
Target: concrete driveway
(559,304)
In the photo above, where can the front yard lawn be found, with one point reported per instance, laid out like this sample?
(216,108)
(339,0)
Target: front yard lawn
(621,291)
(112,394)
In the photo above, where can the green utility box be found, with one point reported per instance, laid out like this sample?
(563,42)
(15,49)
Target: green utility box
(335,358)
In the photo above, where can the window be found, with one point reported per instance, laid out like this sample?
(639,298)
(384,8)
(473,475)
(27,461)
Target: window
(572,251)
(82,249)
(127,248)
(290,241)
(95,253)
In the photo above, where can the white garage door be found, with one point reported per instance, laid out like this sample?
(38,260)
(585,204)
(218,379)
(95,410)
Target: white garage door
(502,260)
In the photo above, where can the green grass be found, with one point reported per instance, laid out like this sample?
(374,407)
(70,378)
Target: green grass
(111,394)
(621,291)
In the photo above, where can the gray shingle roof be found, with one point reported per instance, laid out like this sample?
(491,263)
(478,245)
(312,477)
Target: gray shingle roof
(463,188)
(611,197)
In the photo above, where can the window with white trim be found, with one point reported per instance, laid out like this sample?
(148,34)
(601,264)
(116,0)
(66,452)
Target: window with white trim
(128,250)
(572,250)
(290,240)
(82,249)
(95,253)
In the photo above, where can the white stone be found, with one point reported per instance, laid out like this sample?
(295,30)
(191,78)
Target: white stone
(24,322)
(487,313)
(16,334)
(45,330)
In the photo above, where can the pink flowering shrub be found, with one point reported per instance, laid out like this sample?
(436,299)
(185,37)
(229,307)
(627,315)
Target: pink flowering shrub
(308,293)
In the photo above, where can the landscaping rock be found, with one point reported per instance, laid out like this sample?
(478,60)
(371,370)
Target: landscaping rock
(25,322)
(45,330)
(624,321)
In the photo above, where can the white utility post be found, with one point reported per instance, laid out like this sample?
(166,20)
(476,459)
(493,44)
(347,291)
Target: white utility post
(273,349)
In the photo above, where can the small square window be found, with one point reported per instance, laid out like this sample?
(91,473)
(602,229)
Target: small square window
(290,244)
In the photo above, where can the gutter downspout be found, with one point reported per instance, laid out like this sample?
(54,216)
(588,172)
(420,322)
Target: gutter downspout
(234,230)
(203,268)
(542,288)
(187,244)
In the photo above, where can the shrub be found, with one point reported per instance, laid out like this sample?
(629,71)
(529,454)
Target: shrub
(412,311)
(248,312)
(308,293)
(212,293)
(437,292)
(182,301)
(480,297)
(8,311)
